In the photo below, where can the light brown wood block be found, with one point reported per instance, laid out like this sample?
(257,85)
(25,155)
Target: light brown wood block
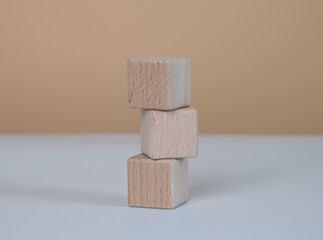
(157,183)
(169,134)
(162,83)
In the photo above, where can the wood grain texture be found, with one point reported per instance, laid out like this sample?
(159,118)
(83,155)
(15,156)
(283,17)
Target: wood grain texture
(157,183)
(169,134)
(162,83)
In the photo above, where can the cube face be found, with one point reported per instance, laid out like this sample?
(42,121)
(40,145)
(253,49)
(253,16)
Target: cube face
(157,184)
(169,134)
(162,83)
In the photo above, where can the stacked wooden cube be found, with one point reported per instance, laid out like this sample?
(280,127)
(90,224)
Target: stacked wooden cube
(161,87)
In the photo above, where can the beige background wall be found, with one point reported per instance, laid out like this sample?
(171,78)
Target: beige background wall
(257,66)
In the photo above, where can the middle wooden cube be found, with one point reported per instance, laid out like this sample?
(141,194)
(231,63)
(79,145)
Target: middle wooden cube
(169,134)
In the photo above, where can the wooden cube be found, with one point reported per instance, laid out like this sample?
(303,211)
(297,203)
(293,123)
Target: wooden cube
(162,83)
(169,134)
(157,183)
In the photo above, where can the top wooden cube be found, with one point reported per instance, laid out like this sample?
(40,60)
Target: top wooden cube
(161,83)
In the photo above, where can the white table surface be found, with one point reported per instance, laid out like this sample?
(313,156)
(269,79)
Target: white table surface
(241,187)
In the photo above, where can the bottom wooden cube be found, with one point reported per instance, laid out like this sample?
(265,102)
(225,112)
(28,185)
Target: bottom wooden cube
(157,183)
